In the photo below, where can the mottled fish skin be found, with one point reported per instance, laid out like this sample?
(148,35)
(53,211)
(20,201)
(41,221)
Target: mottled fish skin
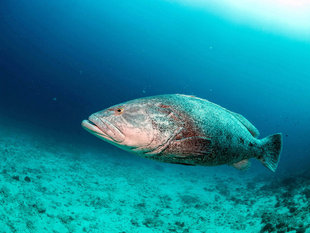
(188,130)
(210,135)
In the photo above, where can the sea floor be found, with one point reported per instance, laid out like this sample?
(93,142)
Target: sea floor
(47,185)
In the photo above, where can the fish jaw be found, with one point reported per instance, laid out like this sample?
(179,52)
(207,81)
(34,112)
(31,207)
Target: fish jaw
(103,129)
(93,129)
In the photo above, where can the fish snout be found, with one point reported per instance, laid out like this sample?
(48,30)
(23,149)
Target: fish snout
(107,128)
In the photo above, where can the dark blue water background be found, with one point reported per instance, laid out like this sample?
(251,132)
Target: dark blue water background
(63,60)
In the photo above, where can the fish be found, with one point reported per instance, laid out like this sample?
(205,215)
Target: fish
(184,129)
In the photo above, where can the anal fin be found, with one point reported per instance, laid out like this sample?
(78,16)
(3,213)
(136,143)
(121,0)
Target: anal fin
(242,165)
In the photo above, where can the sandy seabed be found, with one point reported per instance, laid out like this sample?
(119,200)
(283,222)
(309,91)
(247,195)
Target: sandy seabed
(48,186)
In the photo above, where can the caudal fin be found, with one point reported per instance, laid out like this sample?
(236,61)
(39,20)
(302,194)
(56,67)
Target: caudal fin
(272,146)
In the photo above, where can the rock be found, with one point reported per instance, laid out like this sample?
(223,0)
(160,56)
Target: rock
(268,228)
(301,230)
(180,224)
(152,222)
(65,218)
(15,178)
(306,192)
(293,210)
(40,207)
(5,192)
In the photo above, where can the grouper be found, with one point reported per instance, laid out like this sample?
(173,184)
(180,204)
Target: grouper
(184,129)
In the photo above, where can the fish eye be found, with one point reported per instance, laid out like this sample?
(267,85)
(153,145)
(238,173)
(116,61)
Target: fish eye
(119,111)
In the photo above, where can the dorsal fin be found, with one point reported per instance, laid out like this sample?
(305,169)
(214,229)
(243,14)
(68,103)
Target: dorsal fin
(252,129)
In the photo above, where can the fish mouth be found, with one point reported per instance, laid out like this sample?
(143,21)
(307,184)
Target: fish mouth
(103,129)
(92,128)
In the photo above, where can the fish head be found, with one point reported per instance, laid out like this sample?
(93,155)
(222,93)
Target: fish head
(137,126)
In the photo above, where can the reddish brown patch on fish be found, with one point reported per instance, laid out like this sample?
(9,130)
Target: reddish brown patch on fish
(164,106)
(190,144)
(189,129)
(188,132)
(167,109)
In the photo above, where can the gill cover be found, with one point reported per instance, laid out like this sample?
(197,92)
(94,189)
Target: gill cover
(166,125)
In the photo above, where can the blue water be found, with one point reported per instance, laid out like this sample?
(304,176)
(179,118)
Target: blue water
(60,61)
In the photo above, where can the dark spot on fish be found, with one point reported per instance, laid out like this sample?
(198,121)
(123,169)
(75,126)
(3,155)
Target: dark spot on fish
(251,144)
(200,157)
(241,140)
(210,157)
(234,155)
(225,150)
(228,137)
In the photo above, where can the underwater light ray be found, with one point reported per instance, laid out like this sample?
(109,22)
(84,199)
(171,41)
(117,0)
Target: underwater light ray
(289,17)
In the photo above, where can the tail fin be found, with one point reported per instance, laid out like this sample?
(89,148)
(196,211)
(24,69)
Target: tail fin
(272,146)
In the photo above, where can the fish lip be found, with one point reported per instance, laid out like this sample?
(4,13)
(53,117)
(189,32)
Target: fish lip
(116,131)
(93,126)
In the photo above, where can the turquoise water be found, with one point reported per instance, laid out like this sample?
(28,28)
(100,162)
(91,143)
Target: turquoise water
(60,61)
